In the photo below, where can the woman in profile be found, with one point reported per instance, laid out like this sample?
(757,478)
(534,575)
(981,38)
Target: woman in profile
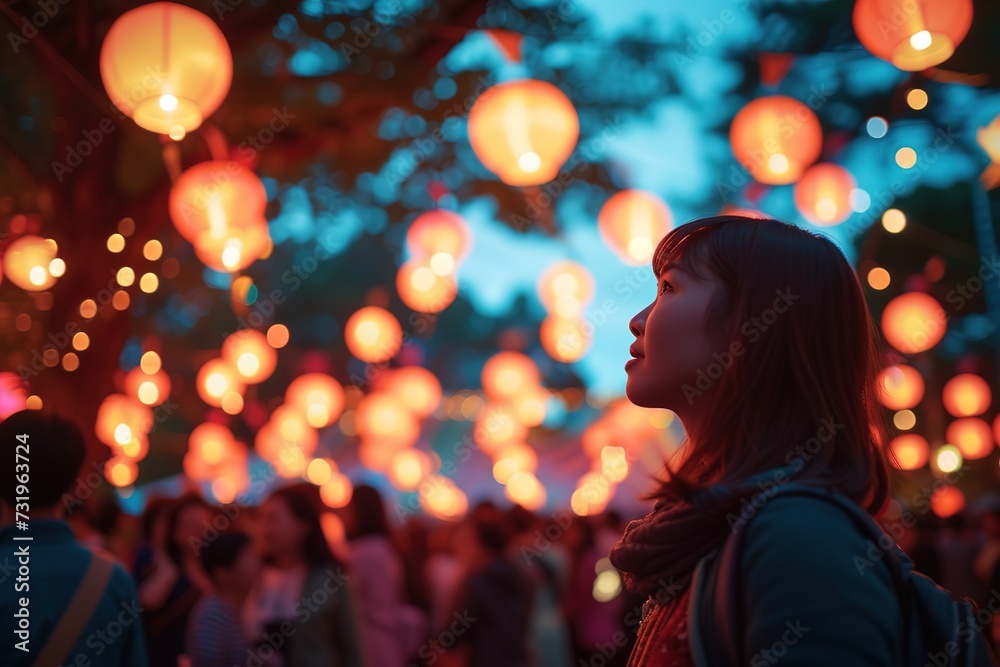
(760,340)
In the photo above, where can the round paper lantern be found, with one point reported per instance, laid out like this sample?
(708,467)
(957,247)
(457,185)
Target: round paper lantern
(234,247)
(423,290)
(120,472)
(972,436)
(166,66)
(912,34)
(212,195)
(319,396)
(248,352)
(775,138)
(27,263)
(525,489)
(495,427)
(215,379)
(523,131)
(373,334)
(148,389)
(293,430)
(384,418)
(507,375)
(900,387)
(911,451)
(121,419)
(513,459)
(378,455)
(913,322)
(439,232)
(966,395)
(632,222)
(417,389)
(565,288)
(442,499)
(823,194)
(337,492)
(565,339)
(408,467)
(947,501)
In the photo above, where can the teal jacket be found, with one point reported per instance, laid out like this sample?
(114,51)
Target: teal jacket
(55,565)
(811,594)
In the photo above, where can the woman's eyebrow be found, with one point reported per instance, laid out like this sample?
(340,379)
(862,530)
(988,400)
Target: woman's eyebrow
(672,266)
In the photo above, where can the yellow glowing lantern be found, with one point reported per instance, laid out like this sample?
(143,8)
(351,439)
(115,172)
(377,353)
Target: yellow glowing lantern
(509,374)
(912,35)
(422,289)
(565,288)
(966,395)
(28,261)
(212,196)
(378,455)
(439,232)
(408,467)
(972,436)
(565,339)
(823,194)
(632,222)
(248,352)
(373,334)
(121,419)
(513,459)
(148,389)
(529,407)
(911,451)
(496,427)
(210,442)
(947,501)
(215,379)
(441,498)
(383,417)
(525,489)
(775,138)
(417,388)
(166,66)
(523,131)
(317,395)
(900,387)
(913,322)
(337,492)
(135,450)
(120,472)
(234,247)
(293,429)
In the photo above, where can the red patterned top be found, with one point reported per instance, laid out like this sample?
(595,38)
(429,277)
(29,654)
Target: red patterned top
(663,639)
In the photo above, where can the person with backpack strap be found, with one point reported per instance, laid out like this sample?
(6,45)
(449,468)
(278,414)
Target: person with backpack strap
(762,547)
(81,606)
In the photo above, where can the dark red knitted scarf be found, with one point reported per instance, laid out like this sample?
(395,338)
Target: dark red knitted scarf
(662,549)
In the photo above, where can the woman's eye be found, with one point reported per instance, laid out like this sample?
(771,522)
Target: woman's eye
(665,286)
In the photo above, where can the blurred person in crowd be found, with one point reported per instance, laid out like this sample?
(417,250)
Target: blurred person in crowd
(301,611)
(170,578)
(759,338)
(986,565)
(443,572)
(958,543)
(215,635)
(535,547)
(594,622)
(488,626)
(63,609)
(390,629)
(413,539)
(93,518)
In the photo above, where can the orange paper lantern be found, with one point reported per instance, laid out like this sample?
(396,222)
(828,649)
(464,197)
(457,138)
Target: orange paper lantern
(523,131)
(417,389)
(565,288)
(775,138)
(508,375)
(913,322)
(318,396)
(250,355)
(912,34)
(373,334)
(439,231)
(966,395)
(823,194)
(900,387)
(972,436)
(166,66)
(632,222)
(27,263)
(211,196)
(911,451)
(149,389)
(234,247)
(565,339)
(215,379)
(422,289)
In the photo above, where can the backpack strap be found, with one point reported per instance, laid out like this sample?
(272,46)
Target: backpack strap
(719,585)
(78,612)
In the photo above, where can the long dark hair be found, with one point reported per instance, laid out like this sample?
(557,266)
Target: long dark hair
(174,509)
(369,513)
(818,361)
(303,503)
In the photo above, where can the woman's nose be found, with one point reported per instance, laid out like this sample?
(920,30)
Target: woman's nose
(637,325)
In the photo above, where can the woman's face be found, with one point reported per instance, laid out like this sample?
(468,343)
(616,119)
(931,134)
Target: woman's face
(672,343)
(281,533)
(192,522)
